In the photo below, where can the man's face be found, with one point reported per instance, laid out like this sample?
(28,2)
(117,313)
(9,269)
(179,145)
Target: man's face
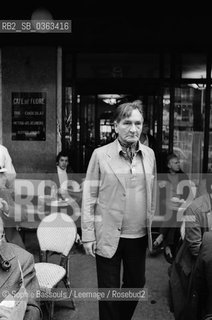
(63,163)
(129,129)
(174,165)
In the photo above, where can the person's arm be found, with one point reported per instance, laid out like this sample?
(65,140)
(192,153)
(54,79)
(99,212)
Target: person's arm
(185,187)
(11,173)
(4,207)
(158,240)
(89,199)
(10,210)
(163,205)
(154,187)
(90,248)
(199,275)
(153,195)
(193,234)
(202,276)
(33,311)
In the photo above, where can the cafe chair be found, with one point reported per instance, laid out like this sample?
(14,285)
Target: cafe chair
(56,234)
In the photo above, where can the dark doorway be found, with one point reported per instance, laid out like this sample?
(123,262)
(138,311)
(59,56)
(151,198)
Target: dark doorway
(93,125)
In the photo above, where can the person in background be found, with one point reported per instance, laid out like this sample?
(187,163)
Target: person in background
(67,186)
(148,140)
(3,178)
(200,296)
(68,189)
(63,171)
(170,201)
(198,220)
(118,205)
(6,163)
(12,258)
(10,212)
(7,193)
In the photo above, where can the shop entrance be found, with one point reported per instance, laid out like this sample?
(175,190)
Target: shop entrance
(94,124)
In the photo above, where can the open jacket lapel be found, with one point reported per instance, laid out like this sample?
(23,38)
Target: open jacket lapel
(112,157)
(112,160)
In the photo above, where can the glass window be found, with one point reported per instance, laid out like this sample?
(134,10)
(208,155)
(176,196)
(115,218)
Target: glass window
(165,125)
(189,127)
(68,117)
(86,128)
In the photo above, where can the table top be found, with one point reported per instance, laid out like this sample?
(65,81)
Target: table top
(58,203)
(48,200)
(29,225)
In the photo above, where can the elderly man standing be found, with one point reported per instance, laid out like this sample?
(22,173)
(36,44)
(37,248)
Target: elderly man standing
(119,199)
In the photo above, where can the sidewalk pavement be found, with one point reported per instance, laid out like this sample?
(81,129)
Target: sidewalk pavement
(83,275)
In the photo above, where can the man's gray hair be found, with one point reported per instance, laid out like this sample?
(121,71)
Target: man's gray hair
(124,110)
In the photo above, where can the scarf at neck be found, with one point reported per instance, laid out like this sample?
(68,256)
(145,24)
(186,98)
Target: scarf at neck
(129,149)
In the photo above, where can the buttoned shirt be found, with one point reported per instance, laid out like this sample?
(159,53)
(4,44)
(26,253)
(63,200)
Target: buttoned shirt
(134,220)
(63,178)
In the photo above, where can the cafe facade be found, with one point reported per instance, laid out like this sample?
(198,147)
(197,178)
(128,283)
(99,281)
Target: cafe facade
(60,93)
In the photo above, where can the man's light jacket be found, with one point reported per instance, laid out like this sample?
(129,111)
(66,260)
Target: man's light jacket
(104,193)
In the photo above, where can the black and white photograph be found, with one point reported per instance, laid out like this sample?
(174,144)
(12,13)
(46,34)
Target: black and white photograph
(105,161)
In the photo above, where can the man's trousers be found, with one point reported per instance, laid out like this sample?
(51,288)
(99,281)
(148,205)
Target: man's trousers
(131,253)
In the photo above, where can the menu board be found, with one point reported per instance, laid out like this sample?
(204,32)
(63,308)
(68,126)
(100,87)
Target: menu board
(28,115)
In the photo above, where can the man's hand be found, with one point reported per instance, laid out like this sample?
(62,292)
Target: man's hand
(90,248)
(158,241)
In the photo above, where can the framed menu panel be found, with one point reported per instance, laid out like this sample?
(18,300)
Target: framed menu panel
(29,115)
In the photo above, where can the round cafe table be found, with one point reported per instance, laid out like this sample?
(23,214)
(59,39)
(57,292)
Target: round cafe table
(49,203)
(58,203)
(71,205)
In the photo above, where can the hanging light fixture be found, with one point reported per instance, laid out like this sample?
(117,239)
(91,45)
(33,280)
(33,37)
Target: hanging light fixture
(110,99)
(199,86)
